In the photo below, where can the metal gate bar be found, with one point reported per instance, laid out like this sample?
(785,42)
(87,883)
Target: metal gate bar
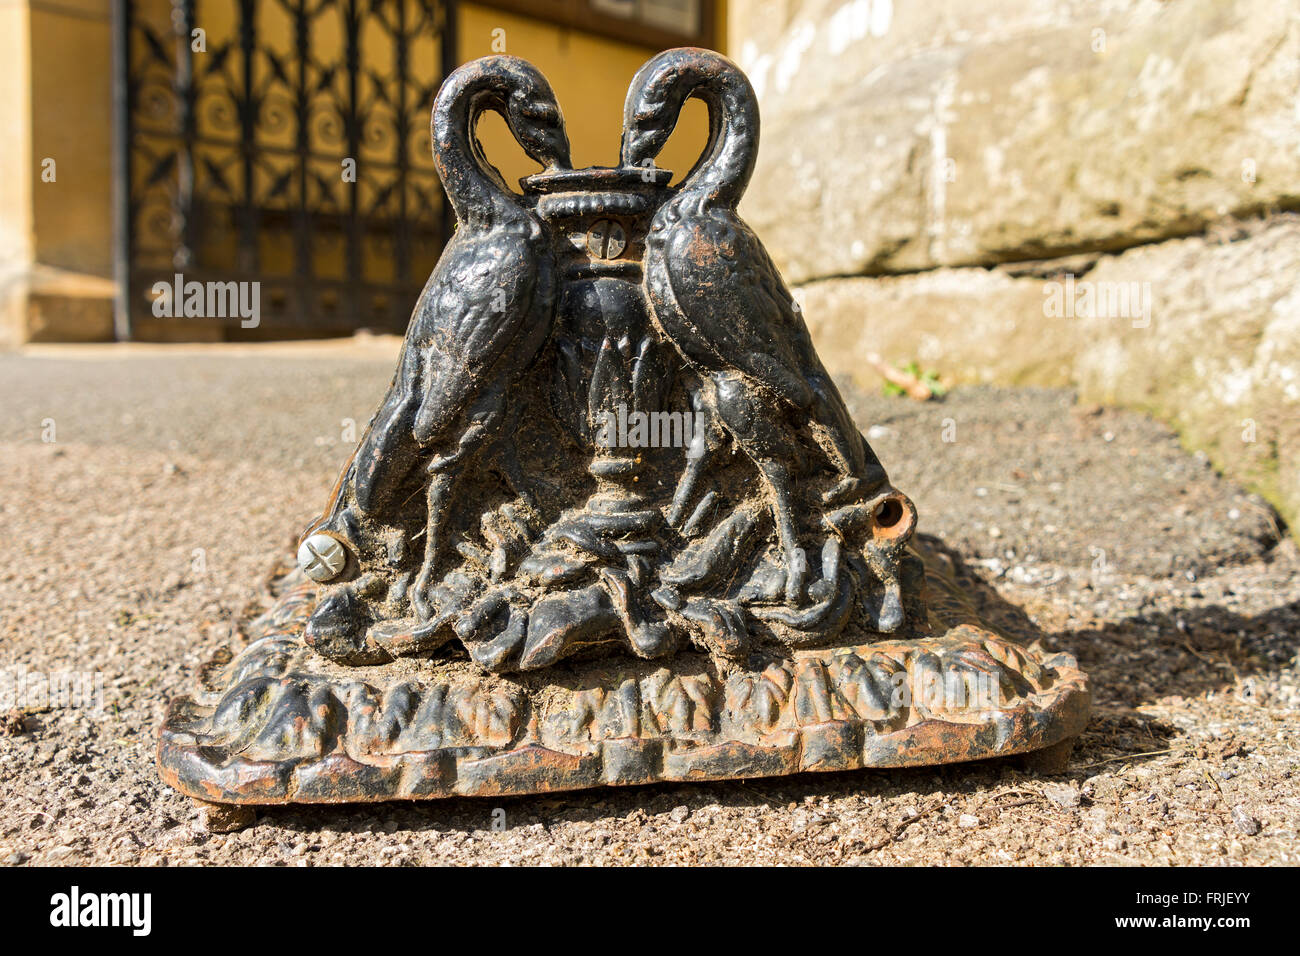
(230,146)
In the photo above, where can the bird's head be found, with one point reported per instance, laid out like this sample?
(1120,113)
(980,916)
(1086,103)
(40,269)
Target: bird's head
(654,102)
(642,144)
(535,119)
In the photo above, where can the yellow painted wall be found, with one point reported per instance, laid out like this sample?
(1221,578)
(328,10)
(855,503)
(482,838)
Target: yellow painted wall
(15,127)
(589,74)
(55,235)
(72,123)
(15,174)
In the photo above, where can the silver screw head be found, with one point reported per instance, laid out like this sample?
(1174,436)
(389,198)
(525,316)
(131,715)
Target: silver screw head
(322,557)
(606,239)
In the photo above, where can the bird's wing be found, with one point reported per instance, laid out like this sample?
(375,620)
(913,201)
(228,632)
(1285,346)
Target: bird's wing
(471,311)
(484,291)
(719,298)
(384,457)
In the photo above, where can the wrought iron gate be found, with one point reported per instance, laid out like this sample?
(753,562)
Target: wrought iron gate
(282,142)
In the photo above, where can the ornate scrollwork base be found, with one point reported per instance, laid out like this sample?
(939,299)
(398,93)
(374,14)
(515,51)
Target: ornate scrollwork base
(277,723)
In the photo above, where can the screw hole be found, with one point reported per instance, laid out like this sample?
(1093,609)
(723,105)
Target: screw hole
(888,513)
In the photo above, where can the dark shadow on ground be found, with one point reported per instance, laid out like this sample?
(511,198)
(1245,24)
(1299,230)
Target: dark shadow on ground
(1149,656)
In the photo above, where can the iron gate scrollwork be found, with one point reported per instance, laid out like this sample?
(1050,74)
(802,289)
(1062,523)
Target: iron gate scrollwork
(281,142)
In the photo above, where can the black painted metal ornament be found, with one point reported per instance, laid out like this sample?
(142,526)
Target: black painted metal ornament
(612,522)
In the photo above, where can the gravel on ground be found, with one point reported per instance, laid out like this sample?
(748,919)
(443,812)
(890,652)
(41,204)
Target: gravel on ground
(146,492)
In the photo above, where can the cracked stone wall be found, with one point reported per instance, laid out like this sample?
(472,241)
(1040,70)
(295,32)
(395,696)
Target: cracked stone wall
(1094,193)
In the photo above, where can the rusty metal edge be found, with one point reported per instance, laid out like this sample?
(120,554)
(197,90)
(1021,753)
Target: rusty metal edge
(534,769)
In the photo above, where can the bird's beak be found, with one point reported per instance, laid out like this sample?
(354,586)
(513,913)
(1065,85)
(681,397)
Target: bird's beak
(637,147)
(555,152)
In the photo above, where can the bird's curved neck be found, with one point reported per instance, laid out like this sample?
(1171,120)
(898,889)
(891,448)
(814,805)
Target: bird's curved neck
(723,170)
(477,191)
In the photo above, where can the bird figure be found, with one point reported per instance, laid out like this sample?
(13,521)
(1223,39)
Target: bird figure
(480,322)
(717,296)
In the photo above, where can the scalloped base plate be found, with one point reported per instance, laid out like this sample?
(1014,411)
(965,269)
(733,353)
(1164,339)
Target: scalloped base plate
(276,723)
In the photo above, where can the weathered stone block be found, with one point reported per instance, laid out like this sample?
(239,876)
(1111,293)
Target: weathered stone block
(904,137)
